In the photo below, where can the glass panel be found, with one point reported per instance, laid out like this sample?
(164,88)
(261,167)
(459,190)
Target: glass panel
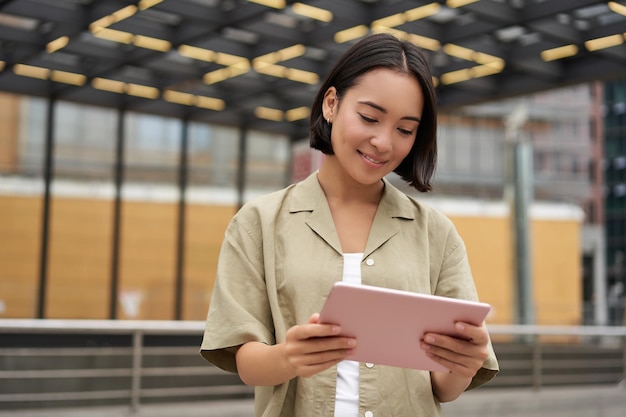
(82,217)
(268,162)
(23,134)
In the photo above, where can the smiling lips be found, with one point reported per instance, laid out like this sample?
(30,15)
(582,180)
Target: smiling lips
(370,159)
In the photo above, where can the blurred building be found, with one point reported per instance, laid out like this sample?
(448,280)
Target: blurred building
(153,260)
(615,192)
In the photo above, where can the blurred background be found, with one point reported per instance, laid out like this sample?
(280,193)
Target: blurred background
(132,131)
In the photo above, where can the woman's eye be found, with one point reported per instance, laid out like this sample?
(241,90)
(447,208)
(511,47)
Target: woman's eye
(405,132)
(367,119)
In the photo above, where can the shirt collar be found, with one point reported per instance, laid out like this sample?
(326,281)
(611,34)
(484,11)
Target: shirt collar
(308,195)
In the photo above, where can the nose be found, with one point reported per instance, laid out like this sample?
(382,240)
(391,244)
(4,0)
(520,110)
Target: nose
(382,141)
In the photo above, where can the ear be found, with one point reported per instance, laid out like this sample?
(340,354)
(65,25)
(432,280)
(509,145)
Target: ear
(329,104)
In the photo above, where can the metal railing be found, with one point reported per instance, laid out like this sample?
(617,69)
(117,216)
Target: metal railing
(538,356)
(68,363)
(112,362)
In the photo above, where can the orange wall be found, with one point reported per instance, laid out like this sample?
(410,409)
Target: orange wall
(556,274)
(488,247)
(9,119)
(80,260)
(20,228)
(80,250)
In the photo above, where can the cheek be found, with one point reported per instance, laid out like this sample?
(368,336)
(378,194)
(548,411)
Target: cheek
(349,131)
(404,147)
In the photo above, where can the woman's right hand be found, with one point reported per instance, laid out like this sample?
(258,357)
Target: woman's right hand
(313,347)
(307,350)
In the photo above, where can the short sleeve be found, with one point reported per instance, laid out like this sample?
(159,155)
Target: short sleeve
(239,311)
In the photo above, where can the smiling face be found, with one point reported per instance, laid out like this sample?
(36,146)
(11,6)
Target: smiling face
(374,124)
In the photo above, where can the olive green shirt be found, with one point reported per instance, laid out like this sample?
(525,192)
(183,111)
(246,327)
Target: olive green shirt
(280,258)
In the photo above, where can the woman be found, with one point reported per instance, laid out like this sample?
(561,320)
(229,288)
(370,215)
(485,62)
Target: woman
(375,114)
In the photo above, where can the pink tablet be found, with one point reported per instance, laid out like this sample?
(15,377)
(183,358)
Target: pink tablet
(389,324)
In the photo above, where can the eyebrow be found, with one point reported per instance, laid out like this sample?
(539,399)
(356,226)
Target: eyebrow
(384,110)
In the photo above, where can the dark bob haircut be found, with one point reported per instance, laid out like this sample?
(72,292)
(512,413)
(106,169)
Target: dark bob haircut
(385,51)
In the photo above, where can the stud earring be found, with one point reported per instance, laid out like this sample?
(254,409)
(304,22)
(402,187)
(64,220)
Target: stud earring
(328,120)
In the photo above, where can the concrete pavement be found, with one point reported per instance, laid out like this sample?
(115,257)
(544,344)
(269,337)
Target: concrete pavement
(584,401)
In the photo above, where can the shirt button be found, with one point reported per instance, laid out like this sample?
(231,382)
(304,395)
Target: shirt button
(369,414)
(369,262)
(369,365)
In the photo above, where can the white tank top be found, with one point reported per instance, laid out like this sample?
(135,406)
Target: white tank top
(347,392)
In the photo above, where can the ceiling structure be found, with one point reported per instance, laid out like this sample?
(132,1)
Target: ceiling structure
(258,63)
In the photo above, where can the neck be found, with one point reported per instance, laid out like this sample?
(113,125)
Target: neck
(337,185)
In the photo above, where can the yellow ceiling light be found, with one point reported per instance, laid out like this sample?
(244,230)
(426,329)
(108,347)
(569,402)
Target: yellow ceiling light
(422,12)
(284,54)
(276,4)
(101,23)
(68,78)
(485,59)
(194,52)
(278,71)
(188,99)
(146,4)
(459,51)
(143,91)
(390,21)
(454,77)
(411,15)
(106,84)
(424,42)
(114,35)
(301,76)
(604,42)
(298,113)
(241,66)
(351,33)
(617,8)
(559,53)
(316,13)
(453,4)
(471,55)
(228,59)
(31,71)
(117,16)
(210,103)
(291,52)
(484,70)
(2,65)
(217,76)
(478,71)
(421,41)
(155,44)
(179,97)
(124,13)
(268,114)
(58,43)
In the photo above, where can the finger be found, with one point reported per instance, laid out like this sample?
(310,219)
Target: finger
(316,359)
(454,367)
(326,347)
(314,318)
(476,334)
(453,349)
(312,369)
(308,331)
(465,362)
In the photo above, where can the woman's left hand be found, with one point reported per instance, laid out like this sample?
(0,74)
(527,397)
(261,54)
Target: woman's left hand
(463,357)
